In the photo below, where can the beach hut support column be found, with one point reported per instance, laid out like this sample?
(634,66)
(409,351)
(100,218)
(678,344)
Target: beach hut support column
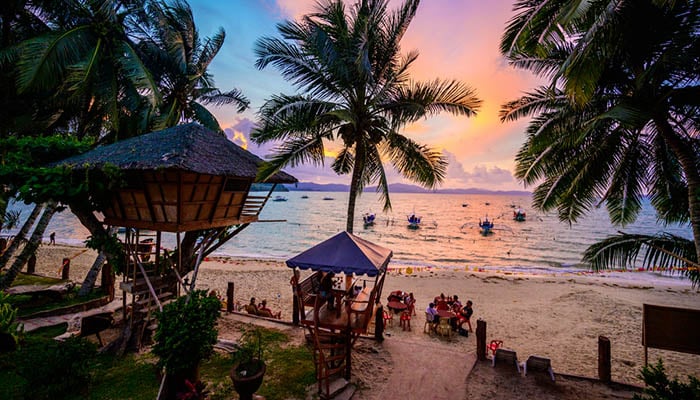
(481,340)
(229,297)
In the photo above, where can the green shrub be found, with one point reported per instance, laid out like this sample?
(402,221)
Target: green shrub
(55,370)
(659,387)
(8,327)
(186,331)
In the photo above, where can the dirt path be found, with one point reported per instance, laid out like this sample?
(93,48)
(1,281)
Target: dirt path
(424,370)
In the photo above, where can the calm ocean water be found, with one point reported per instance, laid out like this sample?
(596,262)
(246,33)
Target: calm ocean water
(449,235)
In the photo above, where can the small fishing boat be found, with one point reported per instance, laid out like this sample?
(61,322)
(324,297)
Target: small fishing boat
(519,215)
(413,221)
(486,226)
(279,198)
(465,205)
(328,198)
(368,219)
(304,197)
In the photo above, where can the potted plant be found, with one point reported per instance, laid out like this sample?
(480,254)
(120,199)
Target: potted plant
(185,336)
(248,368)
(10,331)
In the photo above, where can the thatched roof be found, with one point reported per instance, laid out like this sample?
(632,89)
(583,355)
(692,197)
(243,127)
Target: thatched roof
(189,147)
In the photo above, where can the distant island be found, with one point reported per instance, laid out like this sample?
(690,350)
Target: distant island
(398,188)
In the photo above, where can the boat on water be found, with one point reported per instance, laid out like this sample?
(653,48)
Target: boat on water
(465,205)
(368,219)
(279,198)
(519,215)
(486,226)
(328,198)
(414,221)
(304,197)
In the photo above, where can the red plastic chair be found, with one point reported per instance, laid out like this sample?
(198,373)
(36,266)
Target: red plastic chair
(493,346)
(388,318)
(405,320)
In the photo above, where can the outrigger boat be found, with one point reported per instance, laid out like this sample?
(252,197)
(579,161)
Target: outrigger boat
(485,226)
(413,221)
(368,219)
(519,215)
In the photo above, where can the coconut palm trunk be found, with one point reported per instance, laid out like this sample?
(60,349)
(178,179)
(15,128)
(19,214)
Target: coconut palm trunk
(31,246)
(92,274)
(355,187)
(688,159)
(19,238)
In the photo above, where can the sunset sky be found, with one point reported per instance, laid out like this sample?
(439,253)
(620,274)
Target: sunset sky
(457,39)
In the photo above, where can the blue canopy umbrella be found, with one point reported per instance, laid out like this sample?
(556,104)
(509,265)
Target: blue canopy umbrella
(345,253)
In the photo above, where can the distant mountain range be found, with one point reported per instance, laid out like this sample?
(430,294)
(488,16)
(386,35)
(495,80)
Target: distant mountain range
(399,188)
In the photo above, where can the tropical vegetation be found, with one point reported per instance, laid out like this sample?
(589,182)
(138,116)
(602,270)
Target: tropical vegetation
(76,74)
(616,120)
(354,88)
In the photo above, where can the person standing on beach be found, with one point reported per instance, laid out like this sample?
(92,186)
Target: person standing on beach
(52,239)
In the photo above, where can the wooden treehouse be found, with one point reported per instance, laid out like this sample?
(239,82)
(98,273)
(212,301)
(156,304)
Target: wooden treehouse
(186,179)
(333,330)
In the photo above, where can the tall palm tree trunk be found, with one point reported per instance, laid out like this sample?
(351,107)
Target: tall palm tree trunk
(689,163)
(19,238)
(92,274)
(357,171)
(31,246)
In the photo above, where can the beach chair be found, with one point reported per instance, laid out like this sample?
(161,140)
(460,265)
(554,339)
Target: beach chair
(537,363)
(493,346)
(508,357)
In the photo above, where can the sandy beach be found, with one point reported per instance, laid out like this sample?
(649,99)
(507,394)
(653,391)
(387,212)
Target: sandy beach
(559,317)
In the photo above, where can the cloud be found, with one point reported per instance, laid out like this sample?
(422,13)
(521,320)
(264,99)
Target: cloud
(482,176)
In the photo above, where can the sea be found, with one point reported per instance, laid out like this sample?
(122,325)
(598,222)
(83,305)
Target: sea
(448,237)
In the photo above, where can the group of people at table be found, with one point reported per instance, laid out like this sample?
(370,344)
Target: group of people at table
(450,307)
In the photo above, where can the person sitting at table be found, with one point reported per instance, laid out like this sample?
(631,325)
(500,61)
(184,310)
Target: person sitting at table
(465,314)
(432,313)
(441,303)
(251,308)
(456,305)
(326,289)
(263,311)
(410,302)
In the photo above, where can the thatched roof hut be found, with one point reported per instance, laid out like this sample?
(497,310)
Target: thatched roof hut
(179,179)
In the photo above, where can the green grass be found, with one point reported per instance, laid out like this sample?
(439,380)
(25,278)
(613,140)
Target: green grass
(290,371)
(28,305)
(26,279)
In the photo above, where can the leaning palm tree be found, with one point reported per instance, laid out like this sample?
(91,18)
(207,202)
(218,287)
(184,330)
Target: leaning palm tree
(619,116)
(179,60)
(355,88)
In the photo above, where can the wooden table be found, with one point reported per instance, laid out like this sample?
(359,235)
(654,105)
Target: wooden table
(396,306)
(446,314)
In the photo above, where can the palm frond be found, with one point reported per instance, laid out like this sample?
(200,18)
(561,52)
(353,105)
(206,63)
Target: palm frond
(665,252)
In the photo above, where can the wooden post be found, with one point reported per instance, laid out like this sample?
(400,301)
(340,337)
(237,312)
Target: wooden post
(295,309)
(31,264)
(378,323)
(481,340)
(229,297)
(604,365)
(65,268)
(3,245)
(107,280)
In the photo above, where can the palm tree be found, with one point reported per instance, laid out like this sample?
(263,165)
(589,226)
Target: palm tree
(179,60)
(355,88)
(619,117)
(89,61)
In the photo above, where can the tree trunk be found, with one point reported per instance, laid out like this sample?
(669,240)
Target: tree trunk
(31,246)
(357,171)
(92,274)
(19,238)
(688,159)
(97,230)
